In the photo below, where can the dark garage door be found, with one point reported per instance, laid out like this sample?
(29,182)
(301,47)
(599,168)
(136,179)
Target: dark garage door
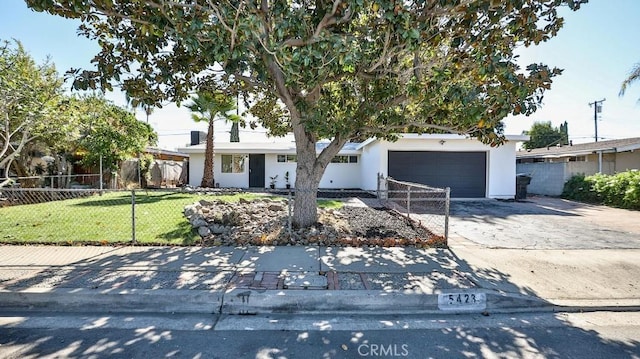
(463,172)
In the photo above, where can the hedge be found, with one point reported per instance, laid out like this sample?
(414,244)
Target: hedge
(620,190)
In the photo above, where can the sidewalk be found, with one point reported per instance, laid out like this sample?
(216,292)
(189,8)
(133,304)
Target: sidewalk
(465,278)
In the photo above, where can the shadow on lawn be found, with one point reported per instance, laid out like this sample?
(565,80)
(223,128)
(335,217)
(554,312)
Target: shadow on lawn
(197,268)
(183,233)
(125,198)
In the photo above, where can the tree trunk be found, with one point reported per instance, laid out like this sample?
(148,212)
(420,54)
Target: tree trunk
(310,166)
(309,170)
(207,176)
(308,176)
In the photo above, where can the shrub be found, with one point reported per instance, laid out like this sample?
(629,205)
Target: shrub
(619,190)
(579,188)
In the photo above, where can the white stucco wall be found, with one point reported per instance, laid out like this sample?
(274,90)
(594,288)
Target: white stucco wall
(500,160)
(231,180)
(272,167)
(342,175)
(371,165)
(337,175)
(502,171)
(196,168)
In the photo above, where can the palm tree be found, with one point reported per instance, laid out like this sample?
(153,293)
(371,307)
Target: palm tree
(135,104)
(148,110)
(634,75)
(208,106)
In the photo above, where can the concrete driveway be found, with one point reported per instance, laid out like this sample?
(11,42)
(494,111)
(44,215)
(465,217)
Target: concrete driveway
(544,223)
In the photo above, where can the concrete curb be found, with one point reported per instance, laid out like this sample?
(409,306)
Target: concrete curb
(239,301)
(131,300)
(249,301)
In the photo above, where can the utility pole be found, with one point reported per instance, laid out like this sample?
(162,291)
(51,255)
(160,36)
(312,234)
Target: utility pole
(597,108)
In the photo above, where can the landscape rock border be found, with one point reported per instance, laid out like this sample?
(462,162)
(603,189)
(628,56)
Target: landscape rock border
(264,221)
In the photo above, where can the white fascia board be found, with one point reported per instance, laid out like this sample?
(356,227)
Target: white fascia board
(518,138)
(628,148)
(442,136)
(239,147)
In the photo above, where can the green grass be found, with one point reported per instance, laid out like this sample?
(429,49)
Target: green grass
(107,219)
(330,204)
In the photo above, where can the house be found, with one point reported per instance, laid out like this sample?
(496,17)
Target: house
(167,169)
(551,167)
(470,168)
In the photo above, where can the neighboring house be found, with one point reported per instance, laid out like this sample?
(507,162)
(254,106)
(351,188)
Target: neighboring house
(551,167)
(470,168)
(168,169)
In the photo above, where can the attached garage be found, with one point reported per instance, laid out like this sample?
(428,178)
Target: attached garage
(464,172)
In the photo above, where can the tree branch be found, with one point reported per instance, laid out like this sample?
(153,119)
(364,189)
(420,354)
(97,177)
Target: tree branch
(328,20)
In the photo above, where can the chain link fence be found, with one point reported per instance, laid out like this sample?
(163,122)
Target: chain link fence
(427,205)
(91,216)
(82,181)
(189,216)
(161,174)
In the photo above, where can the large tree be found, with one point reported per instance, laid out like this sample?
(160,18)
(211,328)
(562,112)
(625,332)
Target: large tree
(208,107)
(328,69)
(107,132)
(30,104)
(543,134)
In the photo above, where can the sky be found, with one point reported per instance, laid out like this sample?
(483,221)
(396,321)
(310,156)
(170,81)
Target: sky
(596,48)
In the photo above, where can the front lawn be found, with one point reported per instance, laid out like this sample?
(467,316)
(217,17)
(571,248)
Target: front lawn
(105,219)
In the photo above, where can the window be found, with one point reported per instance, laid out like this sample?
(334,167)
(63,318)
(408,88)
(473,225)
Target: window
(345,159)
(232,163)
(578,159)
(287,158)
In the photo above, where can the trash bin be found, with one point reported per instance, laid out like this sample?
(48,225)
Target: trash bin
(522,181)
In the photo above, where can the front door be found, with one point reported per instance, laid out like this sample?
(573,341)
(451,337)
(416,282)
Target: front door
(256,170)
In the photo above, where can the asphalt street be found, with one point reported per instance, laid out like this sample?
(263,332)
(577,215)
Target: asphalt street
(541,335)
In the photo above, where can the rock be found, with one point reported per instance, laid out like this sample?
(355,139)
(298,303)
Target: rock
(275,207)
(190,210)
(198,221)
(206,203)
(204,231)
(217,229)
(243,201)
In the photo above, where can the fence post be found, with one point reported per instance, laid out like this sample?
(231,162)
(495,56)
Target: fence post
(378,185)
(446,215)
(133,216)
(408,200)
(289,216)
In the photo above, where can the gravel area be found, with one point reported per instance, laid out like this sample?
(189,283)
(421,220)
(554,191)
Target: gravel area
(265,222)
